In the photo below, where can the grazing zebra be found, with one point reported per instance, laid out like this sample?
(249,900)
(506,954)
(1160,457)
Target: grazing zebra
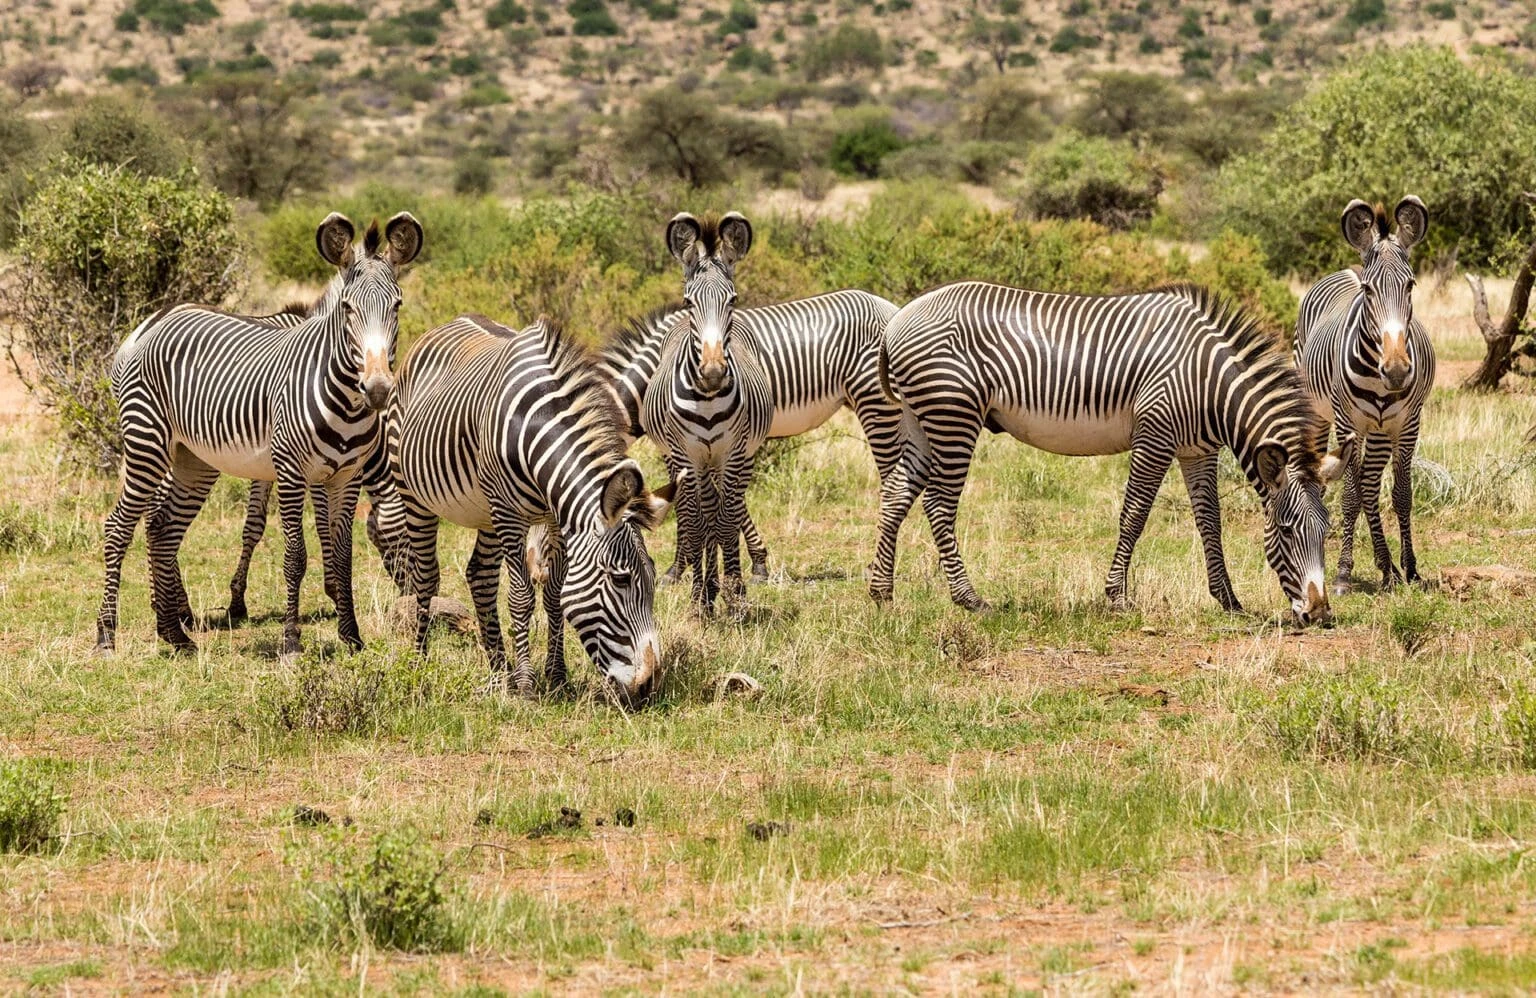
(202,392)
(819,355)
(1167,374)
(496,430)
(1369,362)
(708,407)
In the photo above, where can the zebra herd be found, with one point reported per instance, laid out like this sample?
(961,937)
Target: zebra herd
(522,436)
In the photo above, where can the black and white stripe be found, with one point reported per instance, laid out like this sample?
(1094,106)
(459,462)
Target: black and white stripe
(819,355)
(1169,374)
(708,408)
(495,430)
(1370,365)
(201,392)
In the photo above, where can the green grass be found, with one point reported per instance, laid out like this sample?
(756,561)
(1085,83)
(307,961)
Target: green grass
(1119,789)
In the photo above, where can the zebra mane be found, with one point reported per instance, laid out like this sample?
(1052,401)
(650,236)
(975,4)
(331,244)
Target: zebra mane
(1383,224)
(629,339)
(573,366)
(1266,360)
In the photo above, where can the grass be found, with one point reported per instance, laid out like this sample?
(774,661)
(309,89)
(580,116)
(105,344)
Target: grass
(1172,791)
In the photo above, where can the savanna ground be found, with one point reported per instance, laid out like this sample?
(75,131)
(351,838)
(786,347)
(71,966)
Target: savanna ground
(1051,796)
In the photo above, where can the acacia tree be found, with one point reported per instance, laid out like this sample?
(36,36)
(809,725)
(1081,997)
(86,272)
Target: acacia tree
(259,145)
(1499,342)
(997,38)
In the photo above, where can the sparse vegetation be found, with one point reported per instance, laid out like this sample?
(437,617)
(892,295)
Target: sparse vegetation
(30,808)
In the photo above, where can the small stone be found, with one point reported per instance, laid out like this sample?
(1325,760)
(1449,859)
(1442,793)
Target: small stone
(736,684)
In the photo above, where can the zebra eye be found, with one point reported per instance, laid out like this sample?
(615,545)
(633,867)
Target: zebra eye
(621,579)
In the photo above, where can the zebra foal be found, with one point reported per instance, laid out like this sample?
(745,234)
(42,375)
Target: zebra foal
(201,392)
(497,430)
(708,407)
(1370,365)
(1170,374)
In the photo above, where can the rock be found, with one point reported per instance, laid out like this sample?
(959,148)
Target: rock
(1463,581)
(736,684)
(445,612)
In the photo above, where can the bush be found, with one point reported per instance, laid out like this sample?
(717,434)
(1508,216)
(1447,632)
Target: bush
(259,144)
(591,18)
(140,73)
(741,18)
(1414,120)
(1069,39)
(1003,108)
(860,151)
(1340,719)
(113,132)
(29,808)
(687,136)
(100,250)
(1135,106)
(169,16)
(473,174)
(505,12)
(389,893)
(327,12)
(1076,176)
(1413,621)
(368,694)
(848,49)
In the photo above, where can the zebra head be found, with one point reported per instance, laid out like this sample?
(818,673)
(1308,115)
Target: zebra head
(610,582)
(1295,523)
(1385,305)
(709,251)
(369,295)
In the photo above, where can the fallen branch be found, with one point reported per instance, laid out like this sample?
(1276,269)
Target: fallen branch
(926,924)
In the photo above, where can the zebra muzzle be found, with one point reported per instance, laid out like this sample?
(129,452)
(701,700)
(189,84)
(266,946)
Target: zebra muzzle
(376,390)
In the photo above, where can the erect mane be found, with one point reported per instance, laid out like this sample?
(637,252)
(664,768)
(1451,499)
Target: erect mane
(1383,223)
(626,341)
(709,234)
(573,366)
(1265,360)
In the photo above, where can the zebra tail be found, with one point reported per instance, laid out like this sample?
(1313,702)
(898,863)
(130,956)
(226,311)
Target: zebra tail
(911,428)
(883,367)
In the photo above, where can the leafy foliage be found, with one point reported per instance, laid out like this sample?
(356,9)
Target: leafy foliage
(1411,121)
(30,807)
(101,249)
(172,17)
(859,152)
(846,49)
(389,893)
(1077,176)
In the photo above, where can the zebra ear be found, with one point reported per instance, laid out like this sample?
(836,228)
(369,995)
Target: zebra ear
(1270,457)
(625,482)
(1412,221)
(404,236)
(683,235)
(651,509)
(334,240)
(735,236)
(1334,465)
(1359,225)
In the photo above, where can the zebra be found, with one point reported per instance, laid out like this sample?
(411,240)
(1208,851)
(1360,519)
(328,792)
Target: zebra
(496,430)
(1370,365)
(201,392)
(708,407)
(1171,373)
(819,354)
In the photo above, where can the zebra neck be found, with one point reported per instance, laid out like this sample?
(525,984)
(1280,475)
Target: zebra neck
(340,375)
(575,497)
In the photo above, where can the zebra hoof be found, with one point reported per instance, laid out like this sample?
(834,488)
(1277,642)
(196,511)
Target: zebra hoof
(670,577)
(1342,587)
(105,649)
(759,571)
(237,612)
(882,595)
(975,604)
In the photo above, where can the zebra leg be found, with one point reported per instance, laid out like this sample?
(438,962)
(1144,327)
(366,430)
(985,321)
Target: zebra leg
(425,570)
(554,617)
(250,536)
(898,491)
(1402,498)
(1349,514)
(483,573)
(1149,466)
(1378,451)
(520,600)
(290,510)
(952,452)
(757,551)
(694,524)
(386,529)
(191,481)
(145,463)
(1204,499)
(727,531)
(341,511)
(320,500)
(685,507)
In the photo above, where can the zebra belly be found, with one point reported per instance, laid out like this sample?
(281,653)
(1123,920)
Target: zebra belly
(237,459)
(803,419)
(1075,435)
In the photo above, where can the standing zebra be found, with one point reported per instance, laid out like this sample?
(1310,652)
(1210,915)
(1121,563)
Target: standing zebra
(819,355)
(201,392)
(495,430)
(1166,374)
(708,407)
(1369,362)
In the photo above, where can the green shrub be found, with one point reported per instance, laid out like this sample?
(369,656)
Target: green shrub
(1003,108)
(741,18)
(859,152)
(484,95)
(169,16)
(748,57)
(327,12)
(1441,11)
(1077,176)
(1414,120)
(1069,39)
(369,694)
(591,18)
(111,131)
(1134,106)
(1340,719)
(848,49)
(30,808)
(1519,726)
(1234,266)
(504,12)
(1366,12)
(473,174)
(687,136)
(388,893)
(140,73)
(100,250)
(1413,621)
(260,142)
